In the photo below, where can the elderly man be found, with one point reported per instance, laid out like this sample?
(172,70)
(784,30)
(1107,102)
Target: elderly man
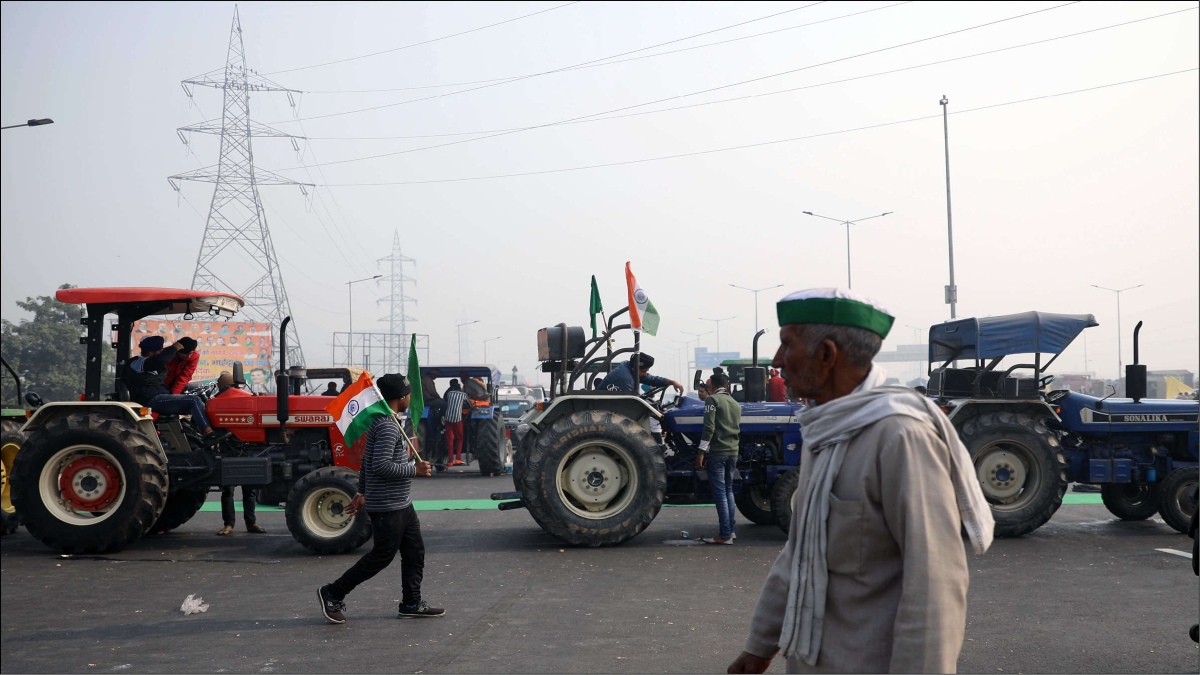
(873,577)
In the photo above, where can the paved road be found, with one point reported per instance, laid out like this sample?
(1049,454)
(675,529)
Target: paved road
(1082,594)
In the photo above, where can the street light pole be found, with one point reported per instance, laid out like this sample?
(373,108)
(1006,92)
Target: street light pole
(350,311)
(30,123)
(696,336)
(847,223)
(951,290)
(718,322)
(485,346)
(756,291)
(460,339)
(1118,291)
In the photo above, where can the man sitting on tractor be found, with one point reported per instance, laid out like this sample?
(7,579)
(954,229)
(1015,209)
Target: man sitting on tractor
(621,379)
(146,378)
(181,368)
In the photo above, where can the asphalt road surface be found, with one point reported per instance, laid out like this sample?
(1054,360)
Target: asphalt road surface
(1084,594)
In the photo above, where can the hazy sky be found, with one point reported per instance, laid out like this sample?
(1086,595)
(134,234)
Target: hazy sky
(1050,196)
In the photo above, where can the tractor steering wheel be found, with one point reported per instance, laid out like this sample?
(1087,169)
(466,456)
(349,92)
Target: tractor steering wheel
(655,396)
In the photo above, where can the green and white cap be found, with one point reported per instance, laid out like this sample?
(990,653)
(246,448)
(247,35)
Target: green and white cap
(836,306)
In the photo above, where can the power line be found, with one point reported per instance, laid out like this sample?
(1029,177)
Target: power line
(556,70)
(769,93)
(694,93)
(612,63)
(764,143)
(425,42)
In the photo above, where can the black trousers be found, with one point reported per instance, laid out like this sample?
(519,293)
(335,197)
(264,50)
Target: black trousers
(394,531)
(229,514)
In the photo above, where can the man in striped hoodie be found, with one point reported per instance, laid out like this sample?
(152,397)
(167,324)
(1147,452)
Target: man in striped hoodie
(385,489)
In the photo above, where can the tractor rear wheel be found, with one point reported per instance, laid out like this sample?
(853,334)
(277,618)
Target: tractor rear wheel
(1177,498)
(782,493)
(10,440)
(87,483)
(180,508)
(1021,468)
(594,478)
(1130,501)
(316,512)
(488,445)
(754,502)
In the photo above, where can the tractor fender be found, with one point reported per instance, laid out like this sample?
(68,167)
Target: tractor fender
(965,409)
(133,412)
(633,407)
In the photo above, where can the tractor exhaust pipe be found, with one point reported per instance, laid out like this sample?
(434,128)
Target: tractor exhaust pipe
(282,386)
(754,387)
(1135,374)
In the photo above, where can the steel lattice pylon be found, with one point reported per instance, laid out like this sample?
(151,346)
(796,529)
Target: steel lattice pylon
(236,254)
(397,319)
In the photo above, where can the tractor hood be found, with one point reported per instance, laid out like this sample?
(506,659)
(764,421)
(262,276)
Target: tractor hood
(996,336)
(152,301)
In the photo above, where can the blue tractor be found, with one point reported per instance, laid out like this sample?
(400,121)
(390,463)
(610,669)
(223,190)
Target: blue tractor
(1029,442)
(486,438)
(591,469)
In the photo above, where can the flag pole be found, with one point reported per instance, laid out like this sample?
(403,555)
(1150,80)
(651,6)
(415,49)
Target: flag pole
(411,444)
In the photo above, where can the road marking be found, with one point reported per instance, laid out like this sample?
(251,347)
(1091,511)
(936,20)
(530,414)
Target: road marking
(1174,552)
(1082,498)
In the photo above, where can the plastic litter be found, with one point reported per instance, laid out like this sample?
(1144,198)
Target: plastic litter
(685,534)
(193,605)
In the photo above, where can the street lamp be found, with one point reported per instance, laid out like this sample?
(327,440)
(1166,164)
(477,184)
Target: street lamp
(756,291)
(485,346)
(350,311)
(951,289)
(847,223)
(30,123)
(718,322)
(1118,291)
(460,340)
(697,337)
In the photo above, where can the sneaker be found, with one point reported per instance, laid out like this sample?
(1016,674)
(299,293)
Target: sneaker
(332,609)
(717,540)
(419,611)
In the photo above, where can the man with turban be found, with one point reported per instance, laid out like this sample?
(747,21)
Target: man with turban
(873,577)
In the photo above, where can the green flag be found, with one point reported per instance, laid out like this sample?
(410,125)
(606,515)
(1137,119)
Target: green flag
(416,406)
(595,307)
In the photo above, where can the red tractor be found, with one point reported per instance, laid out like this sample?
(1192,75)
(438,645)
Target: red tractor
(96,474)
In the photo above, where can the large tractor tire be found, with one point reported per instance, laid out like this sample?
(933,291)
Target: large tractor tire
(180,508)
(488,445)
(594,478)
(1177,498)
(316,512)
(782,493)
(1020,466)
(1130,501)
(10,443)
(754,502)
(87,483)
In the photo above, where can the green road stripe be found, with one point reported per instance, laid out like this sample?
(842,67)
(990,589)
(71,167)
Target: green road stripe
(489,505)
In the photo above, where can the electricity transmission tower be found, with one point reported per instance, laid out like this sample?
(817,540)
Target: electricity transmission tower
(398,335)
(236,254)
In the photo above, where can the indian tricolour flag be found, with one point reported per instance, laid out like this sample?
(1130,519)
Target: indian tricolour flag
(357,407)
(642,314)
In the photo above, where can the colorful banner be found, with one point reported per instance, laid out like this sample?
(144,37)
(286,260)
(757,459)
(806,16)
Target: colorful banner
(220,344)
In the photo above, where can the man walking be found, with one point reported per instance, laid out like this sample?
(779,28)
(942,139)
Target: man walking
(874,576)
(385,489)
(719,444)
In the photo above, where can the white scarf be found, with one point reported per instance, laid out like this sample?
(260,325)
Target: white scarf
(827,430)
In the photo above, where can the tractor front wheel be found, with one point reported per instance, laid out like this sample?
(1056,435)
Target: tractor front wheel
(594,478)
(1130,501)
(1020,466)
(88,483)
(782,493)
(1177,498)
(316,512)
(754,502)
(180,508)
